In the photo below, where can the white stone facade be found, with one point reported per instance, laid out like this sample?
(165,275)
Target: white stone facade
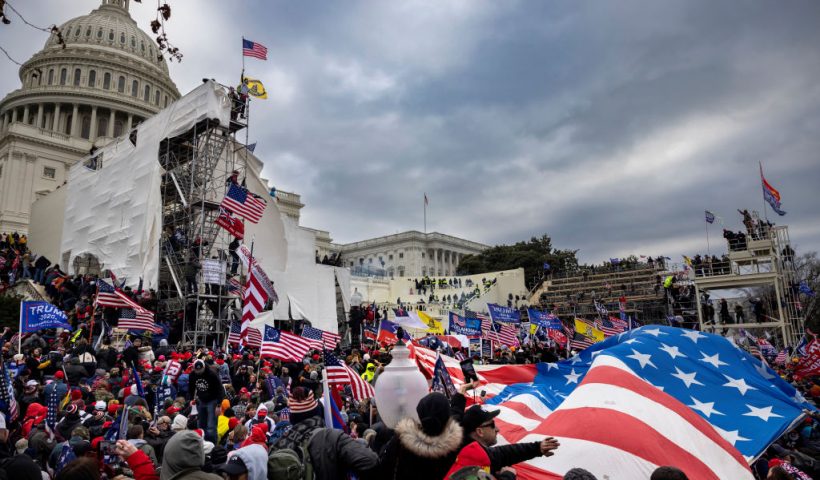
(108,79)
(408,254)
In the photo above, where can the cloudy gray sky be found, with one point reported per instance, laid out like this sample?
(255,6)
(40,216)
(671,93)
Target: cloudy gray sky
(610,126)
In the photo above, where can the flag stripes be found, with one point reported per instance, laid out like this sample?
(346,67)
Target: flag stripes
(242,202)
(340,374)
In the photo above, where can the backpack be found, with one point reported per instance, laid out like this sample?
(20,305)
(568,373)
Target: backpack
(291,459)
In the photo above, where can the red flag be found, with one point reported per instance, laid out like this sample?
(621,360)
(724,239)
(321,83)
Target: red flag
(809,365)
(233,225)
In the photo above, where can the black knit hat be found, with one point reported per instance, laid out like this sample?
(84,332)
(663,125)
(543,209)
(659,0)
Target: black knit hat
(434,412)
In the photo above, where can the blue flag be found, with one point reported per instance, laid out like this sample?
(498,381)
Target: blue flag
(37,315)
(442,382)
(138,382)
(66,456)
(748,403)
(805,289)
(503,314)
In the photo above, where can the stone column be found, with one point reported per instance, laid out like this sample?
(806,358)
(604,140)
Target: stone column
(111,116)
(75,117)
(5,120)
(13,114)
(39,115)
(25,114)
(435,262)
(93,133)
(55,124)
(128,122)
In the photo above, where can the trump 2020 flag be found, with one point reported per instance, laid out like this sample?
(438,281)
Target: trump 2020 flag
(37,315)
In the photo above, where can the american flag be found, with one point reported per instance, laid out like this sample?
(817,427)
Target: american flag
(284,414)
(253,338)
(254,49)
(7,393)
(242,202)
(321,339)
(609,328)
(503,333)
(654,429)
(132,319)
(339,373)
(252,302)
(745,402)
(284,345)
(235,287)
(580,342)
(109,296)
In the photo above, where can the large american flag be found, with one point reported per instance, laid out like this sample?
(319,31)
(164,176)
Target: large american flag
(253,338)
(321,339)
(254,49)
(133,319)
(617,425)
(339,373)
(252,303)
(284,345)
(240,201)
(634,426)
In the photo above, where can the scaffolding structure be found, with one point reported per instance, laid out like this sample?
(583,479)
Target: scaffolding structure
(763,261)
(194,249)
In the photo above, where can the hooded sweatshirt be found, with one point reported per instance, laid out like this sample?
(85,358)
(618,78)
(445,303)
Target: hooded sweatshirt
(184,457)
(180,423)
(255,457)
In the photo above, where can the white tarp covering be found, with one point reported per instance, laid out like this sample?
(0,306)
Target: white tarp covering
(113,213)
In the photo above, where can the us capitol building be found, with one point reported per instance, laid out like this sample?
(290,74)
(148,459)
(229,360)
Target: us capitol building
(109,78)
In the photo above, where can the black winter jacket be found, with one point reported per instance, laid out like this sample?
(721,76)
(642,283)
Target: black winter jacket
(412,454)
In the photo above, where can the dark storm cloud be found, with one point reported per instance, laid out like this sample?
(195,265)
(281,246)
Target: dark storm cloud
(609,126)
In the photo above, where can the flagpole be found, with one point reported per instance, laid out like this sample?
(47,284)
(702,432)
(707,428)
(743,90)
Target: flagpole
(708,250)
(94,313)
(20,331)
(326,395)
(763,192)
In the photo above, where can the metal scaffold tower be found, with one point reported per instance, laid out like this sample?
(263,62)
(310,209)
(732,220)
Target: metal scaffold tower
(763,263)
(194,260)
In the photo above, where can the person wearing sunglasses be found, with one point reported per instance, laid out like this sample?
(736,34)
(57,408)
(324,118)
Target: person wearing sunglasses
(479,426)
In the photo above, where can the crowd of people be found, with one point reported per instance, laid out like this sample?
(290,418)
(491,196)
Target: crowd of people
(95,406)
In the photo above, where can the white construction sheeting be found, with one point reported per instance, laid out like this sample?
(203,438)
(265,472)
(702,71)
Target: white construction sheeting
(114,212)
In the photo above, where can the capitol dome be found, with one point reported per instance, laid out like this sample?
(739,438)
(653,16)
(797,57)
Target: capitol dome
(109,77)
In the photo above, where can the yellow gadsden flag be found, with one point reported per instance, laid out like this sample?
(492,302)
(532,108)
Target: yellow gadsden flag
(588,330)
(433,325)
(255,88)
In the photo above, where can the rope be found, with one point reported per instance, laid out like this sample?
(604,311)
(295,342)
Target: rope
(44,29)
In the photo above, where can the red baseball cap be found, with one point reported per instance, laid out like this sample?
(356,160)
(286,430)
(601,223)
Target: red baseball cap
(59,374)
